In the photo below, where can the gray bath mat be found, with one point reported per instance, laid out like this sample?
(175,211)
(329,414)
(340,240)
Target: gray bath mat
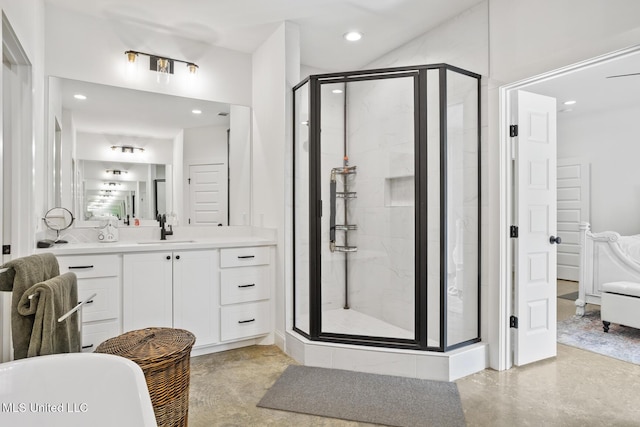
(370,398)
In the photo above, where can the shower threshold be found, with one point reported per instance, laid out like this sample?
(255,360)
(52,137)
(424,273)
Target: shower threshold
(352,322)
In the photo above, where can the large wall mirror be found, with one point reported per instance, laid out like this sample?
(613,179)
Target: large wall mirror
(130,154)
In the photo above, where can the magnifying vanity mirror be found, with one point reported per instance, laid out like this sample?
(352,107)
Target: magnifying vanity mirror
(58,219)
(134,155)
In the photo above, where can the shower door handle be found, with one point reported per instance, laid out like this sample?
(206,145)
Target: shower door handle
(332,211)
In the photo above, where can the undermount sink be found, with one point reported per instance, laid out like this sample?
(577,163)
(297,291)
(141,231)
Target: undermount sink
(153,242)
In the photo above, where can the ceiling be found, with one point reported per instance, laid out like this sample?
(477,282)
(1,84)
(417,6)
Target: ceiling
(243,25)
(592,90)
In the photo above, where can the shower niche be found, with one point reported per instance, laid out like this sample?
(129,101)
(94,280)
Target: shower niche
(386,209)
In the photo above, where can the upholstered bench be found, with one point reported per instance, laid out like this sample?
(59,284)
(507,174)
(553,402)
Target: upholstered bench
(620,304)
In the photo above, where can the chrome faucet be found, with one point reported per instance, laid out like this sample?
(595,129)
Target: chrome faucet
(162,219)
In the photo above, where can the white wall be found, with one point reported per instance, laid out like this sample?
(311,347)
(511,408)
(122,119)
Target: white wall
(276,69)
(531,37)
(609,141)
(462,41)
(98,56)
(204,144)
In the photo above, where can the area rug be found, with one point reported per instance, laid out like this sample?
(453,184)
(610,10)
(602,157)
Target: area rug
(363,397)
(586,333)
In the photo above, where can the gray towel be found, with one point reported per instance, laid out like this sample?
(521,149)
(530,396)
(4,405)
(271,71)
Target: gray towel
(22,274)
(52,299)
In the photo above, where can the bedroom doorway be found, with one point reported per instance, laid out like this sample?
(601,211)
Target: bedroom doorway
(509,298)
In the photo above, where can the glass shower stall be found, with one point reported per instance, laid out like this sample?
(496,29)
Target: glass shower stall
(386,208)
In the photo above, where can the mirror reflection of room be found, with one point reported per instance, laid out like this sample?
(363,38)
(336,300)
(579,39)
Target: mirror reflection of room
(134,155)
(121,190)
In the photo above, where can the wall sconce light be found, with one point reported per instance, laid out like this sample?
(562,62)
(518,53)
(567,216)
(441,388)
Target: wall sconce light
(162,65)
(127,149)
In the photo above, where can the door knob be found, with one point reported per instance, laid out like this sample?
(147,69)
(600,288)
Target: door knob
(554,239)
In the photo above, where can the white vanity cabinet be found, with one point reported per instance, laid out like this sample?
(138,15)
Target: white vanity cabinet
(172,289)
(245,292)
(99,274)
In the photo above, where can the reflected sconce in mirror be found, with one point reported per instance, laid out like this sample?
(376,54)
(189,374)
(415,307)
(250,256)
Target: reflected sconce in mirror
(162,65)
(116,171)
(127,148)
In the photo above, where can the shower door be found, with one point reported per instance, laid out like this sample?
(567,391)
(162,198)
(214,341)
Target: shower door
(367,233)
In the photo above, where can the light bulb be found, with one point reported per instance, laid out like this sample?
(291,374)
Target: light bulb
(163,68)
(353,36)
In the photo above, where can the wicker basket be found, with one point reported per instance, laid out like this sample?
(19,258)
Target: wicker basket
(163,354)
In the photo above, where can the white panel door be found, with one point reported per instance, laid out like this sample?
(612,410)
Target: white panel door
(573,207)
(208,194)
(535,213)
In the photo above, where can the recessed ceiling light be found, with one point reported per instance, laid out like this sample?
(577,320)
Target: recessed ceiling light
(569,102)
(337,91)
(566,110)
(196,111)
(353,36)
(79,96)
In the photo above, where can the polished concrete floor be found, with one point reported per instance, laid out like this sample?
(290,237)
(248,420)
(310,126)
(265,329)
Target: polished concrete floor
(576,388)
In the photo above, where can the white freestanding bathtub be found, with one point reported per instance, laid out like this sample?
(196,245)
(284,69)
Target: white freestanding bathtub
(77,389)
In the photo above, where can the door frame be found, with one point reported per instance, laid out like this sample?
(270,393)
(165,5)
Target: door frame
(21,148)
(505,276)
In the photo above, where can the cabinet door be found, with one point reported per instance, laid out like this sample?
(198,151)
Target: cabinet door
(147,290)
(195,294)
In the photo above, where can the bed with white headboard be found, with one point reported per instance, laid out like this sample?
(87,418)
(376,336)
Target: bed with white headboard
(605,257)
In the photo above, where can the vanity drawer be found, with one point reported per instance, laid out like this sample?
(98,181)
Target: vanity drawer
(105,303)
(244,284)
(244,320)
(90,265)
(94,334)
(238,257)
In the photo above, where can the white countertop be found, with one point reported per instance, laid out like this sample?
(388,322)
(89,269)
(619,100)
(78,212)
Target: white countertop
(143,245)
